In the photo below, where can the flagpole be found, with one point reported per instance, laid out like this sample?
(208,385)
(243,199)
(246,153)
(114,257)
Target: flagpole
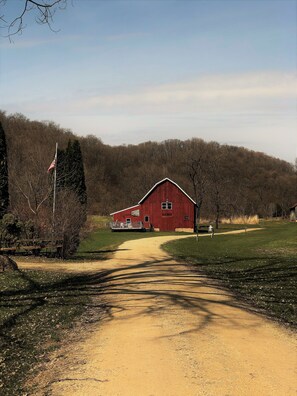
(55,188)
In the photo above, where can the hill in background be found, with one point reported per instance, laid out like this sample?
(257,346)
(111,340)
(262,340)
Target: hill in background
(226,179)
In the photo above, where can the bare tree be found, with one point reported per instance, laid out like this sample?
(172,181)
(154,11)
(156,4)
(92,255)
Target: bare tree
(31,186)
(197,169)
(220,182)
(43,11)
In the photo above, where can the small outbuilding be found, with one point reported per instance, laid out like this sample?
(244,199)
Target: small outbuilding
(293,213)
(165,207)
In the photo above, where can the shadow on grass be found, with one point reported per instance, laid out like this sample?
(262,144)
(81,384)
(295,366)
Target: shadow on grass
(91,255)
(267,283)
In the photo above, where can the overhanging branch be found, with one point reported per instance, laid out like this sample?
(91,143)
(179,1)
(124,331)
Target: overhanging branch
(44,15)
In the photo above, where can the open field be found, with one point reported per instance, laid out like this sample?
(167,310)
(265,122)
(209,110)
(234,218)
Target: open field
(260,267)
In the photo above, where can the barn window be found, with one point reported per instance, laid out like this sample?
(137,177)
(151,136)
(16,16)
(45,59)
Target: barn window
(128,221)
(146,218)
(166,205)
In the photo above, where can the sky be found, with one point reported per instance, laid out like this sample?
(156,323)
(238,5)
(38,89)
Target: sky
(130,71)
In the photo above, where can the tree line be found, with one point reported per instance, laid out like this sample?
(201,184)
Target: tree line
(224,180)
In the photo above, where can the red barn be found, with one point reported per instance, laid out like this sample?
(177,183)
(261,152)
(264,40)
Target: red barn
(166,207)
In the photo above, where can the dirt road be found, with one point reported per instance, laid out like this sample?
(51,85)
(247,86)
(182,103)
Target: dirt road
(170,332)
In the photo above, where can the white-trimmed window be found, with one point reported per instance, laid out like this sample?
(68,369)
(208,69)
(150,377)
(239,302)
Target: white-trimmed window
(128,221)
(166,205)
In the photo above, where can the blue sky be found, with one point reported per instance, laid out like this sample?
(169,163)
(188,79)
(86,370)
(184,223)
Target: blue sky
(132,71)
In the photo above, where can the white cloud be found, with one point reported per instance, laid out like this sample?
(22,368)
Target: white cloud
(211,94)
(206,91)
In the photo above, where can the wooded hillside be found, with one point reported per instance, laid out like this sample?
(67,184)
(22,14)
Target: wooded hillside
(224,180)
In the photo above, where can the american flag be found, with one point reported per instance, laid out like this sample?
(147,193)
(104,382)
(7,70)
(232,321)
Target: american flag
(52,165)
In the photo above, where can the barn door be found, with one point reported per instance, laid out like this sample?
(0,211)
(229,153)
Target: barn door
(167,223)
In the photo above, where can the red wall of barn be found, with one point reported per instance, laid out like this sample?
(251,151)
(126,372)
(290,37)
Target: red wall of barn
(180,216)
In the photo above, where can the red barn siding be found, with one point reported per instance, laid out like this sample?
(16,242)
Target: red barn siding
(169,219)
(181,215)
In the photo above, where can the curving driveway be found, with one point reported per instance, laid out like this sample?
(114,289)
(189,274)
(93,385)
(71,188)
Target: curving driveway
(170,332)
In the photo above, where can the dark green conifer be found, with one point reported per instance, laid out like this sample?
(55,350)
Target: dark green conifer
(74,171)
(4,192)
(61,168)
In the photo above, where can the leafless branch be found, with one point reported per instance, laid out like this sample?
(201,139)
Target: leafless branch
(33,196)
(44,13)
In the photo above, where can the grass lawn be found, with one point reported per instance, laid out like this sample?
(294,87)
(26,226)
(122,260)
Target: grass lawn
(36,311)
(260,266)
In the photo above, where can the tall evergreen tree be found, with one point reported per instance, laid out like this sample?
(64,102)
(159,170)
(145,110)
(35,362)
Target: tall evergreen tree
(81,181)
(74,171)
(61,168)
(4,192)
(71,186)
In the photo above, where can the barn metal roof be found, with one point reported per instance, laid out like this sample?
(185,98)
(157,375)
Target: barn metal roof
(162,181)
(122,210)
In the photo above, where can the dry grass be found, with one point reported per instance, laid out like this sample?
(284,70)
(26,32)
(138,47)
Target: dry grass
(233,220)
(95,223)
(241,220)
(204,220)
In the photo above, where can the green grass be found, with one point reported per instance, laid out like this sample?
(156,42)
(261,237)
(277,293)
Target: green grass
(260,267)
(36,311)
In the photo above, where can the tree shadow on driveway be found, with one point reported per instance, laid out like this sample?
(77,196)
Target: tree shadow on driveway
(150,287)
